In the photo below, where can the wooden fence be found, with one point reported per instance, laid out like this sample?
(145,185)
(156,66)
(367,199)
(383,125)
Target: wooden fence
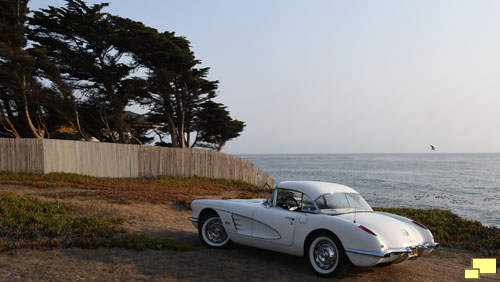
(123,161)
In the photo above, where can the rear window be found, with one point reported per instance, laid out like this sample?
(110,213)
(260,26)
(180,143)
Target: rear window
(342,203)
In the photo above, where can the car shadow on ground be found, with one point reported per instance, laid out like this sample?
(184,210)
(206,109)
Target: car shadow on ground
(189,238)
(235,263)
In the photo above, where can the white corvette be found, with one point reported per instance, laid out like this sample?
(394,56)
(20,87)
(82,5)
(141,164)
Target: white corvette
(325,222)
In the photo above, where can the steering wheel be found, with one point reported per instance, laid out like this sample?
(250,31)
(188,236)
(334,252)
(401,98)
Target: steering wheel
(282,203)
(291,207)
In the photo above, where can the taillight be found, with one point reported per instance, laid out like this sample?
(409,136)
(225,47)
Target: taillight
(367,230)
(420,224)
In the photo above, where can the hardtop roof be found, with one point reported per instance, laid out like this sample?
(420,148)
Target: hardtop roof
(314,189)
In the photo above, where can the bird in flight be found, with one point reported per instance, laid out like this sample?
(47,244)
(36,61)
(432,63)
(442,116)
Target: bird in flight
(432,148)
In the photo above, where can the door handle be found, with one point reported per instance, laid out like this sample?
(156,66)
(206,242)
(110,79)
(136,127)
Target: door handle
(291,218)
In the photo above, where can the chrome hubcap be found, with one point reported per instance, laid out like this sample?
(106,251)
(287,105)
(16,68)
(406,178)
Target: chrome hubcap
(325,255)
(214,231)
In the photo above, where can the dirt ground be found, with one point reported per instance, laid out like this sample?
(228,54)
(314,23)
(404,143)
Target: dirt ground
(239,263)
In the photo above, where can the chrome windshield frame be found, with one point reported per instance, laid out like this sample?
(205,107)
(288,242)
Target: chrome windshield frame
(275,198)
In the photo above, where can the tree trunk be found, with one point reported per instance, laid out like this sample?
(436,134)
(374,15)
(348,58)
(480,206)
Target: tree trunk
(180,124)
(22,80)
(181,132)
(121,127)
(221,144)
(173,130)
(7,124)
(104,120)
(39,134)
(77,119)
(170,121)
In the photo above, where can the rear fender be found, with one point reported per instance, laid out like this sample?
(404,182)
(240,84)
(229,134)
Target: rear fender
(348,232)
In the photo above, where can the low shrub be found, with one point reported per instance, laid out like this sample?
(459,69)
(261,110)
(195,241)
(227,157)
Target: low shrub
(26,222)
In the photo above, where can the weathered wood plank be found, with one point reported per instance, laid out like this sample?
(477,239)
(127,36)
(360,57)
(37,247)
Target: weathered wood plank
(123,161)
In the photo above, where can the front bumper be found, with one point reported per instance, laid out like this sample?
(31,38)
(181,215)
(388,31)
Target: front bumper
(194,221)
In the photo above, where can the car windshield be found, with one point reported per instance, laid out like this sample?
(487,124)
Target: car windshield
(342,203)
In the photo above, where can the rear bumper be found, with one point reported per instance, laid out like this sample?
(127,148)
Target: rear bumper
(364,258)
(194,221)
(419,250)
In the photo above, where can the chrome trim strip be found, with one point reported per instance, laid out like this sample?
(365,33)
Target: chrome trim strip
(275,195)
(388,252)
(421,247)
(378,254)
(194,221)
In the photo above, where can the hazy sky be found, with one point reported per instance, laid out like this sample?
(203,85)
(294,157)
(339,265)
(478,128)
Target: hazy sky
(344,76)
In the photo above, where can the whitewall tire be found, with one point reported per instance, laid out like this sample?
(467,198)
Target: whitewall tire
(211,231)
(325,254)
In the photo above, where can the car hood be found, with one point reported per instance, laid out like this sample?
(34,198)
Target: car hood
(391,232)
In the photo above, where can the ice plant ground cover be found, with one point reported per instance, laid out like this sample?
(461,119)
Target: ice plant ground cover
(26,222)
(54,224)
(155,190)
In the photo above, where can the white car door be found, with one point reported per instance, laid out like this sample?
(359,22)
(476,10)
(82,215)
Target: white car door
(274,224)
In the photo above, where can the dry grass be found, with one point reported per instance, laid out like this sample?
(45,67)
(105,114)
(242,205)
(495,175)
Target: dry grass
(154,190)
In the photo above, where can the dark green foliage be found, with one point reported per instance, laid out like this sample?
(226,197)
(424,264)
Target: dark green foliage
(34,99)
(78,77)
(82,41)
(216,127)
(20,112)
(177,89)
(26,222)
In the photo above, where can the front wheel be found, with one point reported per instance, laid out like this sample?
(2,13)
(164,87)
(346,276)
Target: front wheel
(325,254)
(212,232)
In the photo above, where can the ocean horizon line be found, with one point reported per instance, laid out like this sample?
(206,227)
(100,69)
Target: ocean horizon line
(404,153)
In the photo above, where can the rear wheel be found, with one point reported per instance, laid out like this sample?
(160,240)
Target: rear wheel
(212,232)
(325,254)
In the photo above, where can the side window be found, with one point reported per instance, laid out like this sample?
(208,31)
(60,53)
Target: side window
(294,201)
(307,204)
(289,199)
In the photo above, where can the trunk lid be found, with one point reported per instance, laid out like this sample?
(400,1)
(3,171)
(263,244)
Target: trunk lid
(393,233)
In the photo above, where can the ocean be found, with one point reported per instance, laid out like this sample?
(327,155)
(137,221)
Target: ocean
(466,184)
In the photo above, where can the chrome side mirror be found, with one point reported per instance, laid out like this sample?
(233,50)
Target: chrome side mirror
(266,203)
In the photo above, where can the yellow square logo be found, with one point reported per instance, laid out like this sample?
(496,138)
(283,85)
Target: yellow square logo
(481,266)
(471,273)
(485,265)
